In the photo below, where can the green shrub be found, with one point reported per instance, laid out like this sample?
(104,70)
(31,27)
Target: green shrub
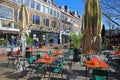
(1,41)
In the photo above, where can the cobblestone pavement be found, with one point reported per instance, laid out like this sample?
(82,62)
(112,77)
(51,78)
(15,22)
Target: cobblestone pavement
(75,72)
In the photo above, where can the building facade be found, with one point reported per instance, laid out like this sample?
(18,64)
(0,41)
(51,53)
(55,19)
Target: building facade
(70,23)
(45,20)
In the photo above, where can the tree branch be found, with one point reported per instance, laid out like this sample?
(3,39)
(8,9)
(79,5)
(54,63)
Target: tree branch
(111,19)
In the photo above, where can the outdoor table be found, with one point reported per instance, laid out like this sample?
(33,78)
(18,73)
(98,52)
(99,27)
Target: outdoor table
(98,64)
(46,61)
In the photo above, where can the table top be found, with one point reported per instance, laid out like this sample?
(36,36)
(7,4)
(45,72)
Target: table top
(47,61)
(100,64)
(57,52)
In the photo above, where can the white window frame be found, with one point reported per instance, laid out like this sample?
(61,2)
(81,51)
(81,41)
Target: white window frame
(13,13)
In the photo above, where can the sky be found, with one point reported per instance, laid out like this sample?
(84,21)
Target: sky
(73,5)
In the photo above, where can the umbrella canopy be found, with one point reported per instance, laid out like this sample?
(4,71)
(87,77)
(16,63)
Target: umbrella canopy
(91,26)
(97,26)
(23,23)
(23,20)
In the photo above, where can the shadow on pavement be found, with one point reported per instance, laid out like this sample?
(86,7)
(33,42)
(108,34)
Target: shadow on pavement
(34,78)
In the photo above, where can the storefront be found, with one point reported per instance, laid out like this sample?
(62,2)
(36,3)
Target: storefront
(47,38)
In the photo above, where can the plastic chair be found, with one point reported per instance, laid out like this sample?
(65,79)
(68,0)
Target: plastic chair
(99,74)
(39,68)
(49,52)
(57,69)
(38,56)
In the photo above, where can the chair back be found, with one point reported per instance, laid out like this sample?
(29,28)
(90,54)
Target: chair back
(49,52)
(71,52)
(37,56)
(10,53)
(31,60)
(99,74)
(17,52)
(38,51)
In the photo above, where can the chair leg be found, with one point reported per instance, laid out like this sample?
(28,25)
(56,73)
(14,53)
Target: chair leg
(31,72)
(61,74)
(8,63)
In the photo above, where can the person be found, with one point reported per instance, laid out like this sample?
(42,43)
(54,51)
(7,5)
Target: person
(40,45)
(12,41)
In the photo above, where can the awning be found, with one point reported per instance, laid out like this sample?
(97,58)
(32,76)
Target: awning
(9,32)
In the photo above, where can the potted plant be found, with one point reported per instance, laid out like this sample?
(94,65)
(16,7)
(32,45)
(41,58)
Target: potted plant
(29,41)
(75,44)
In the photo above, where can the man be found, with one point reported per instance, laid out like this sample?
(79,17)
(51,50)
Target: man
(12,41)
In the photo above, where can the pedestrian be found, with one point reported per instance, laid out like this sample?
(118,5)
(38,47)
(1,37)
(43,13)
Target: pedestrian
(12,41)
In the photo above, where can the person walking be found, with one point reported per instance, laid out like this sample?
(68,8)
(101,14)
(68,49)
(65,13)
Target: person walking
(12,41)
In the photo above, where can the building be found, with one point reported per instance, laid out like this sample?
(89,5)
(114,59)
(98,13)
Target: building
(45,17)
(70,23)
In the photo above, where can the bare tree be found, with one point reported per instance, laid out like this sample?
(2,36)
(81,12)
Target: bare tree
(111,12)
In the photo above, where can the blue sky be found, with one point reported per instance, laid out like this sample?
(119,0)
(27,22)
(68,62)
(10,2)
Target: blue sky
(73,5)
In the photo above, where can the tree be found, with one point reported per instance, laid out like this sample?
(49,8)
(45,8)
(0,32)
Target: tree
(111,12)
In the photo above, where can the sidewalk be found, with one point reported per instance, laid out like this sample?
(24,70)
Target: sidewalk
(77,71)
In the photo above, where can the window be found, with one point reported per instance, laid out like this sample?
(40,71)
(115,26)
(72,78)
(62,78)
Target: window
(20,1)
(51,11)
(12,0)
(47,10)
(32,5)
(26,2)
(54,13)
(66,18)
(18,15)
(36,19)
(33,19)
(42,8)
(57,14)
(49,1)
(63,27)
(46,22)
(6,12)
(62,17)
(38,6)
(54,24)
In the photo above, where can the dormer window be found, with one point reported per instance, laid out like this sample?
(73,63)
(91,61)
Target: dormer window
(49,1)
(68,10)
(76,13)
(63,8)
